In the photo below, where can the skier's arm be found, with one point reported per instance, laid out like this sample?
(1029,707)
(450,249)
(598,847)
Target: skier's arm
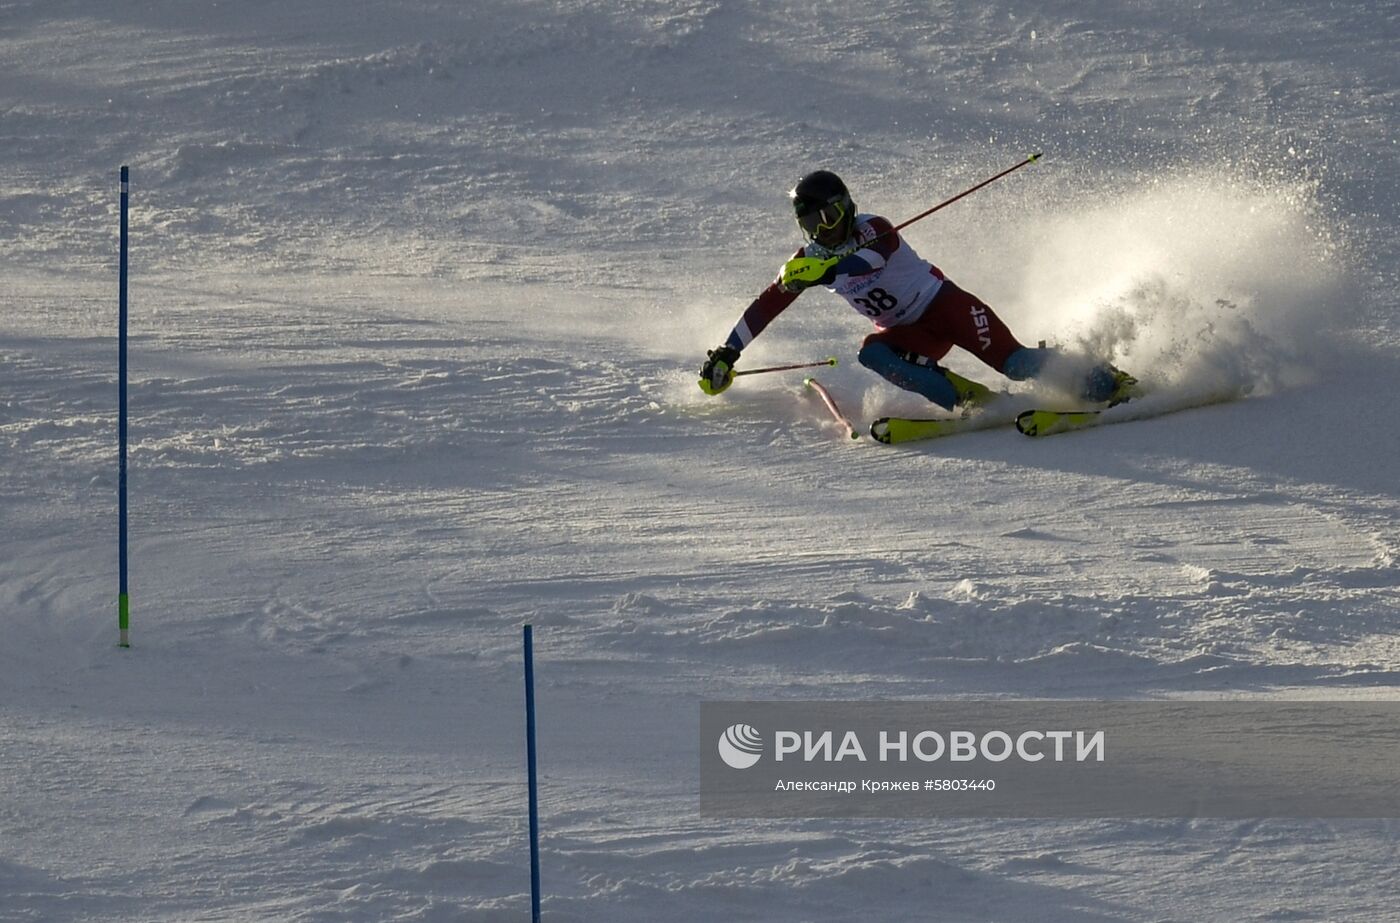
(718,371)
(771,302)
(874,255)
(803,271)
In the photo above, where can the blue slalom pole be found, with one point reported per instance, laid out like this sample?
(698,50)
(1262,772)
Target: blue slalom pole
(534,792)
(123,600)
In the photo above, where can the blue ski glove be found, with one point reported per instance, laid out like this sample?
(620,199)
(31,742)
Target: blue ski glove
(718,371)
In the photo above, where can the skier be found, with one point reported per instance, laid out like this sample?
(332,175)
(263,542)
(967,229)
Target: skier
(919,314)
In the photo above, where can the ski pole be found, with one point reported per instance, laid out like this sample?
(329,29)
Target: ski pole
(830,403)
(829,360)
(966,192)
(810,268)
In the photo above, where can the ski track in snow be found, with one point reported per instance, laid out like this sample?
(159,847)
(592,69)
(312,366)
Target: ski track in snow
(417,297)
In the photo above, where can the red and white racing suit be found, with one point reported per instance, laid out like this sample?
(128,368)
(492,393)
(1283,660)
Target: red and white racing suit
(914,307)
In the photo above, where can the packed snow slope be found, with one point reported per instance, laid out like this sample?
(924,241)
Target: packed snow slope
(418,295)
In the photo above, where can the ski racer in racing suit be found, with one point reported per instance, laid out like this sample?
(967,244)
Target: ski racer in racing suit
(919,314)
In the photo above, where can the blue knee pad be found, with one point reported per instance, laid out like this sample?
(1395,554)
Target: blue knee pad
(927,380)
(1026,362)
(1095,385)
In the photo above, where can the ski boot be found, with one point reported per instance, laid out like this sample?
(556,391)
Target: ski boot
(1108,385)
(1125,387)
(972,395)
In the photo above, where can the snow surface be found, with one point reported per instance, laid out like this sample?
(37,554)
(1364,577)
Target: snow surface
(419,291)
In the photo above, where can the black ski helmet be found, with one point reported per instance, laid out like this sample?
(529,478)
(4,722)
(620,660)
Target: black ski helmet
(823,208)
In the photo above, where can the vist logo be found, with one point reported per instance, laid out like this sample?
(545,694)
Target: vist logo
(979,318)
(740,746)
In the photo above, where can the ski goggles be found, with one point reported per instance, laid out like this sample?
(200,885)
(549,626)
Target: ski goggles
(814,218)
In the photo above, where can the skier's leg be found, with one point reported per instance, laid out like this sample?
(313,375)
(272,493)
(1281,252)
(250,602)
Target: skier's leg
(904,370)
(1097,382)
(976,328)
(908,356)
(1026,362)
(966,321)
